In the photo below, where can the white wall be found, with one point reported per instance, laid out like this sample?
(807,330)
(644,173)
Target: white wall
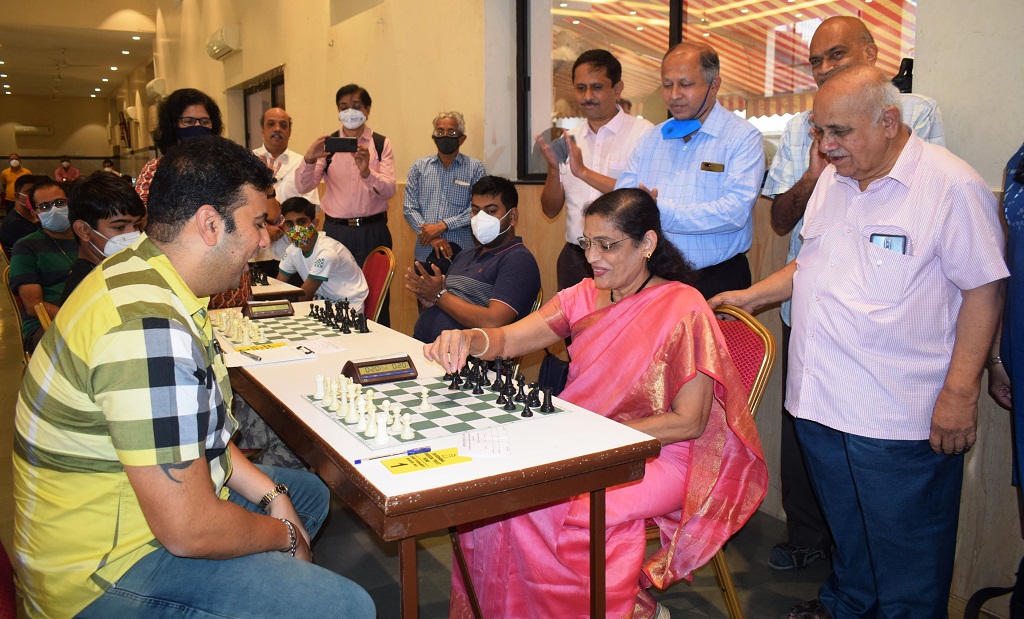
(970,58)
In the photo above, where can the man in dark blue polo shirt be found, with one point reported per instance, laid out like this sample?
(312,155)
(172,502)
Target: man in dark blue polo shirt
(490,285)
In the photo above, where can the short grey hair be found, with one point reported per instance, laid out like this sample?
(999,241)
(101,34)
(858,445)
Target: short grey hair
(456,116)
(710,66)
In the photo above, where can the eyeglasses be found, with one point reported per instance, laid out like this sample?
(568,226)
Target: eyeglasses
(42,207)
(192,121)
(356,105)
(601,246)
(450,133)
(278,221)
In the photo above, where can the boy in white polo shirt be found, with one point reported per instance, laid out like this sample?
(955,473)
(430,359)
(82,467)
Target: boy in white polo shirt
(327,268)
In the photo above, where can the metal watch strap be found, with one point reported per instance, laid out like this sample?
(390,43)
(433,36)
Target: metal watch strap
(439,294)
(273,494)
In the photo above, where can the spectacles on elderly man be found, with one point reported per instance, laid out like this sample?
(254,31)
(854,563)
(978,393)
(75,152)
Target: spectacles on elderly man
(42,207)
(447,133)
(600,245)
(192,121)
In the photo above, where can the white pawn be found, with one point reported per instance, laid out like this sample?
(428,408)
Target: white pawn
(424,405)
(246,337)
(407,432)
(382,438)
(319,393)
(262,336)
(396,425)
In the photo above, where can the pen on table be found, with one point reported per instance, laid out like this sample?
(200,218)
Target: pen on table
(418,450)
(250,355)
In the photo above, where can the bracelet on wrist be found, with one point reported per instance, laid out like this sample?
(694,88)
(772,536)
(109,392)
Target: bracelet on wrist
(278,490)
(487,342)
(439,294)
(994,361)
(293,541)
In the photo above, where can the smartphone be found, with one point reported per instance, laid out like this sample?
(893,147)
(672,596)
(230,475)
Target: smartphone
(560,148)
(892,242)
(341,145)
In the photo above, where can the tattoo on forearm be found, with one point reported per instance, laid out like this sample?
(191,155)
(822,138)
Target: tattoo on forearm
(177,466)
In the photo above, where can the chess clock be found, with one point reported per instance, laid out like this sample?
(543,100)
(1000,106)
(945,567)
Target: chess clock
(386,370)
(256,310)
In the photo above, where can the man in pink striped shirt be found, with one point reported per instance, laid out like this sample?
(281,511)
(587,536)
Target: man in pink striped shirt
(895,295)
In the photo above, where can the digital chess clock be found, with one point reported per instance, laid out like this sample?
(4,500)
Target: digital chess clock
(374,371)
(256,310)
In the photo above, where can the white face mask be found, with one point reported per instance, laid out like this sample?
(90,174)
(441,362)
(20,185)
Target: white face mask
(117,242)
(65,164)
(15,163)
(487,227)
(107,169)
(352,118)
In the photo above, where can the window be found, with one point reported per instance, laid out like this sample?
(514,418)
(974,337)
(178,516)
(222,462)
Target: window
(268,92)
(762,45)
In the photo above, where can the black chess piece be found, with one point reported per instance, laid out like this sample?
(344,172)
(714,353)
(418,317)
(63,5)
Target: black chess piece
(534,398)
(501,398)
(526,411)
(521,394)
(454,385)
(477,389)
(510,404)
(499,383)
(547,406)
(465,370)
(363,328)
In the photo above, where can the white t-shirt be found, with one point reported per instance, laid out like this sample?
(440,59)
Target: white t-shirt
(332,264)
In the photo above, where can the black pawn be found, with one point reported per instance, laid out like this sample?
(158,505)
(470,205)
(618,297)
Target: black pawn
(477,389)
(509,404)
(547,406)
(501,398)
(526,411)
(521,394)
(447,376)
(455,382)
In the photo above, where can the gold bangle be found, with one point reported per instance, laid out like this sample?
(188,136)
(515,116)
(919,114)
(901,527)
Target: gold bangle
(487,342)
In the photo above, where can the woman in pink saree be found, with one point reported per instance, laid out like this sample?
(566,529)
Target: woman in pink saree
(646,351)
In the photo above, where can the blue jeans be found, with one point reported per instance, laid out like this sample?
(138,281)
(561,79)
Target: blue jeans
(268,584)
(893,508)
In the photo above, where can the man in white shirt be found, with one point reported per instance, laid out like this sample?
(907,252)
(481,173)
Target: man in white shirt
(597,152)
(276,126)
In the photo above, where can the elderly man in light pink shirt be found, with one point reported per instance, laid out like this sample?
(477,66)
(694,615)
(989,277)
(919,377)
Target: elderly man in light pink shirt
(896,294)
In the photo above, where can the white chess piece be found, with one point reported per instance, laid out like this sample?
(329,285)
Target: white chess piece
(407,432)
(396,424)
(319,393)
(361,422)
(335,404)
(263,336)
(371,424)
(386,411)
(382,438)
(424,405)
(246,337)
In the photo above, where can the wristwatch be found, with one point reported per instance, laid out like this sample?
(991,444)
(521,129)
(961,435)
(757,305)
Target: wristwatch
(439,294)
(270,496)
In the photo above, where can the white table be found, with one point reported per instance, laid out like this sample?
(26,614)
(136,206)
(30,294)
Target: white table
(275,289)
(553,458)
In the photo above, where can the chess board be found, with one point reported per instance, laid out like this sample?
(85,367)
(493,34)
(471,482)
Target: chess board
(280,331)
(451,411)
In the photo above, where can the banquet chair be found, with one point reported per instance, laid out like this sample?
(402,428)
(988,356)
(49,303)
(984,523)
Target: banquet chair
(513,368)
(8,598)
(16,305)
(43,315)
(752,348)
(378,268)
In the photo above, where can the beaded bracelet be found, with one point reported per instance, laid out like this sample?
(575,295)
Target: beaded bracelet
(487,341)
(292,540)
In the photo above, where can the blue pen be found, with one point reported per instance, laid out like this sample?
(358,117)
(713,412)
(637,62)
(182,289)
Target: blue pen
(418,450)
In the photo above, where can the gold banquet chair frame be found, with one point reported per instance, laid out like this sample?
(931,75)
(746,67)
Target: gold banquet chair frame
(752,349)
(16,307)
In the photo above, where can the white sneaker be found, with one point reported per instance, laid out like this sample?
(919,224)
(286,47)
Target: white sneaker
(662,613)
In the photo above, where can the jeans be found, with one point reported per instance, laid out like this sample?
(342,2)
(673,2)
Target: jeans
(267,584)
(893,508)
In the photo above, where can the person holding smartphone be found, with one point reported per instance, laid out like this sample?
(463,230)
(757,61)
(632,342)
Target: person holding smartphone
(359,183)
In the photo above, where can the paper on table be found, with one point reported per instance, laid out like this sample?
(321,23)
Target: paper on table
(486,443)
(279,354)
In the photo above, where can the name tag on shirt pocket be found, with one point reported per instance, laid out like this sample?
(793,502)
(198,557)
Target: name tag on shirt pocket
(707,166)
(463,183)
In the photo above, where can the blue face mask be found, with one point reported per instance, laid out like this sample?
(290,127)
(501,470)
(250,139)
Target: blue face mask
(55,219)
(195,131)
(675,129)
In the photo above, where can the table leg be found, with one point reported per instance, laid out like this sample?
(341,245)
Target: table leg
(597,560)
(407,577)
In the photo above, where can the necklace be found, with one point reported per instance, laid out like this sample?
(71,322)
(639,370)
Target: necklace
(61,249)
(642,286)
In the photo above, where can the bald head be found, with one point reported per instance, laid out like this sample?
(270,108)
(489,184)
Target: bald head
(840,42)
(707,57)
(865,88)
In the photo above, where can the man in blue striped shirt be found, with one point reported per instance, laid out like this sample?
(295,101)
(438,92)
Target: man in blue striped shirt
(437,192)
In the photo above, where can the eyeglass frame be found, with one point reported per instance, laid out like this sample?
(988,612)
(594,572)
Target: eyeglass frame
(601,246)
(44,207)
(192,121)
(450,133)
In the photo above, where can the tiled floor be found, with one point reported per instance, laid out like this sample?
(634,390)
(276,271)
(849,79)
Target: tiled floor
(347,547)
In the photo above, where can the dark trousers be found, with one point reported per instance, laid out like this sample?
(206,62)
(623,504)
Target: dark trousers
(361,240)
(731,274)
(572,267)
(9,206)
(805,524)
(893,508)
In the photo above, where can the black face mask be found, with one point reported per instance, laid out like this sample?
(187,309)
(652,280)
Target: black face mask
(446,145)
(195,131)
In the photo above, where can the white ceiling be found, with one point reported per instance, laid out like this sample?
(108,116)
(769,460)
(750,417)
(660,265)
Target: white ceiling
(61,62)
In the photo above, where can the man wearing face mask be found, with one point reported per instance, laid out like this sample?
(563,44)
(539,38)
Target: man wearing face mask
(41,261)
(325,266)
(7,178)
(66,172)
(106,216)
(704,166)
(20,221)
(490,285)
(437,192)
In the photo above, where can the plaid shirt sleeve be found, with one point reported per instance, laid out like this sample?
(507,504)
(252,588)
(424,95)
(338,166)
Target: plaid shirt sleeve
(159,394)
